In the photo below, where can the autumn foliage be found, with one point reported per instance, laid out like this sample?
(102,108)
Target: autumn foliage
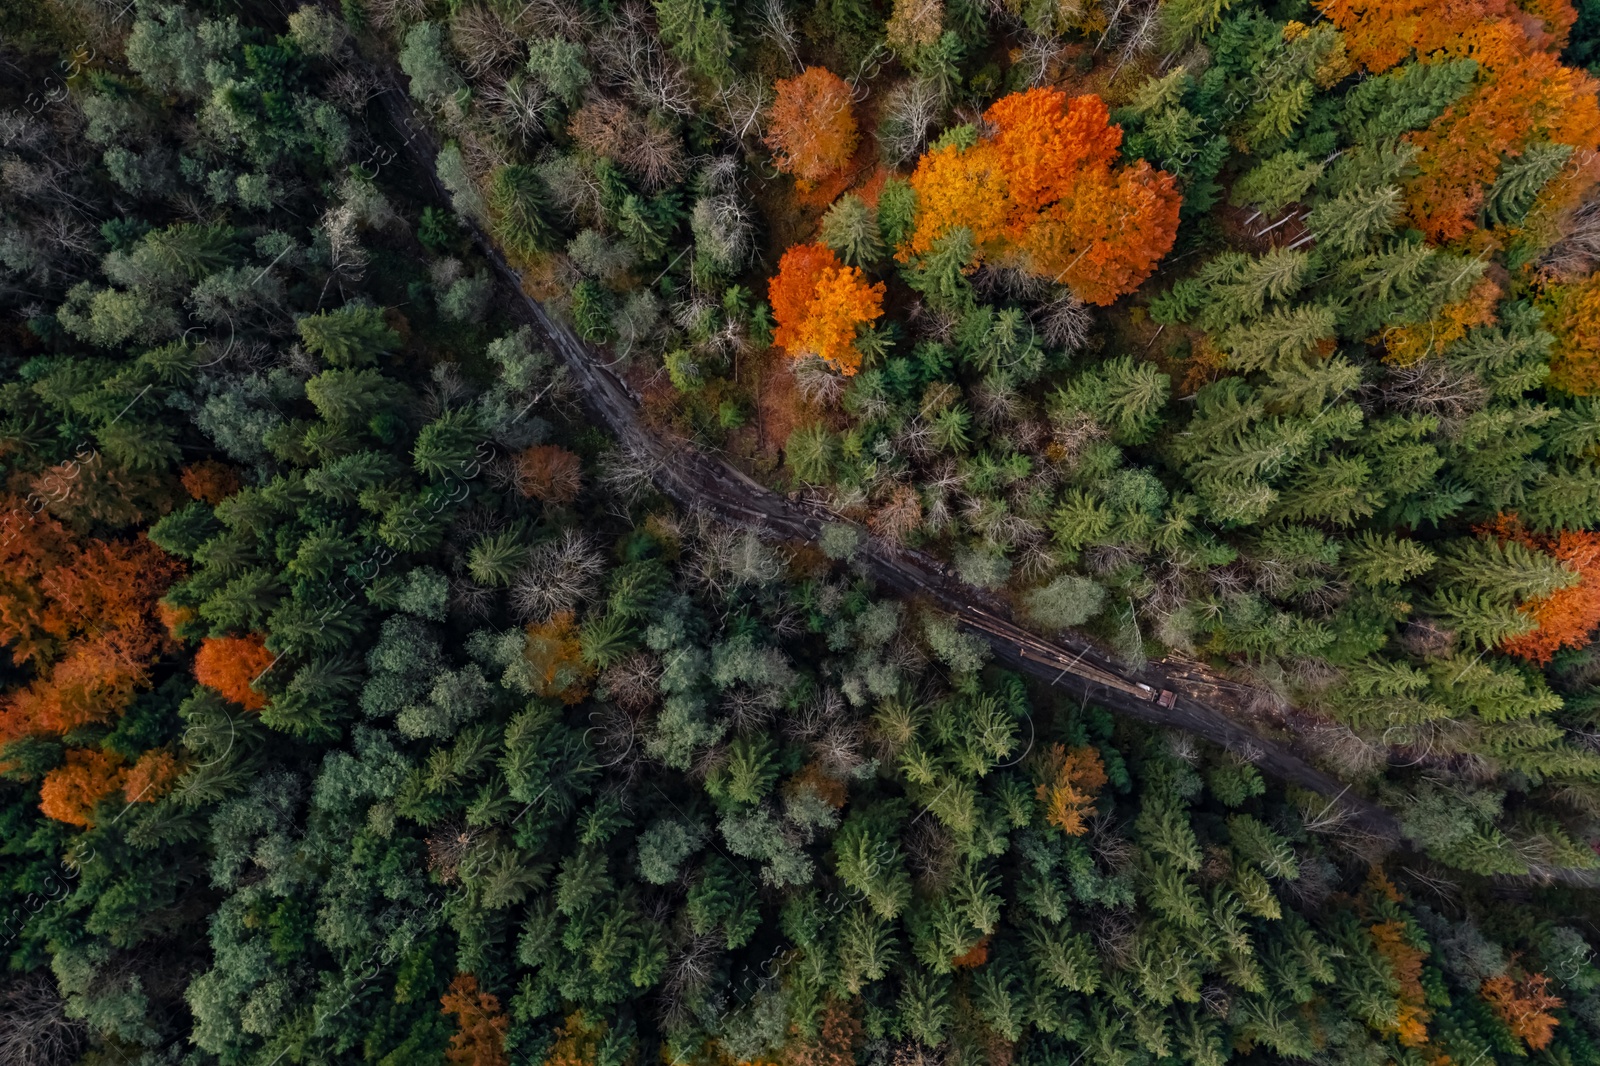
(556,659)
(1522,95)
(818,304)
(1044,192)
(1072,779)
(1411,1013)
(549,473)
(1410,343)
(72,790)
(80,616)
(1567,618)
(480,1035)
(839,1032)
(152,776)
(1524,1006)
(812,130)
(1573,313)
(577,1042)
(230,664)
(210,481)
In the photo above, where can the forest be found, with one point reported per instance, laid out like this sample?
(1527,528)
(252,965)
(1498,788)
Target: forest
(758,533)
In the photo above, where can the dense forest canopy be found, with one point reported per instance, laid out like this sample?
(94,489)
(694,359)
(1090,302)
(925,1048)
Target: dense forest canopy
(369,695)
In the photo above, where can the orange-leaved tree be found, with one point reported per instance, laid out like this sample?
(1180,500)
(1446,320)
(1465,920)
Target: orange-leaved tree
(152,776)
(577,1042)
(1524,1006)
(230,664)
(1522,95)
(480,1036)
(1073,777)
(79,615)
(1043,191)
(819,303)
(1566,618)
(71,791)
(812,130)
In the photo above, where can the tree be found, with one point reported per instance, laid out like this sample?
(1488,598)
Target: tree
(479,1039)
(850,228)
(1067,601)
(1563,617)
(550,473)
(1042,193)
(812,128)
(1573,312)
(351,336)
(555,658)
(433,79)
(819,303)
(70,792)
(231,665)
(1522,95)
(210,481)
(1525,1006)
(1071,781)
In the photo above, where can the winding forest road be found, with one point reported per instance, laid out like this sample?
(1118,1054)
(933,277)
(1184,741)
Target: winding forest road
(1153,694)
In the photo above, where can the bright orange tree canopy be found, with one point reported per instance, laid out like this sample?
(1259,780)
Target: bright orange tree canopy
(818,303)
(1043,191)
(229,664)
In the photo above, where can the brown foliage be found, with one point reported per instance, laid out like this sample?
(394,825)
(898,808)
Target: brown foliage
(646,149)
(838,1034)
(210,481)
(577,1042)
(897,514)
(1524,1006)
(550,473)
(480,1037)
(812,132)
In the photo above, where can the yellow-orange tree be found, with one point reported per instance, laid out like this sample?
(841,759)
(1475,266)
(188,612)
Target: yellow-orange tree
(1043,191)
(812,131)
(818,303)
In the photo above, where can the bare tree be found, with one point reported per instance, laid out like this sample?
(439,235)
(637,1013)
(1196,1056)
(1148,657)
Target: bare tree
(34,1027)
(1065,321)
(484,41)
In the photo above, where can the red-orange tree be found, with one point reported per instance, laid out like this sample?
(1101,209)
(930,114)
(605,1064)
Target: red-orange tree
(230,664)
(80,616)
(812,130)
(1044,192)
(819,303)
